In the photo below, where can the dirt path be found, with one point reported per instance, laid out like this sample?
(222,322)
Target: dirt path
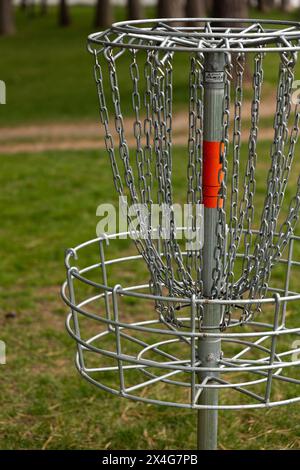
(89,135)
(88,144)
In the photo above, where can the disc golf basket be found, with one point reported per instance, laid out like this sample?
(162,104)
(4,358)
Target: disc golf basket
(211,322)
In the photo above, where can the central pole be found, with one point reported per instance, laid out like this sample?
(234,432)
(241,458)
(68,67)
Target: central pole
(209,349)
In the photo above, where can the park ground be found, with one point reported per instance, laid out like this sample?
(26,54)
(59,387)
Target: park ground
(54,173)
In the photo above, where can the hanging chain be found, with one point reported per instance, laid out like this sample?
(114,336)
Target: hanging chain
(271,205)
(194,167)
(233,230)
(246,209)
(220,250)
(145,173)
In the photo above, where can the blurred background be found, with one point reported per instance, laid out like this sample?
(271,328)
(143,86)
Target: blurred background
(54,173)
(43,48)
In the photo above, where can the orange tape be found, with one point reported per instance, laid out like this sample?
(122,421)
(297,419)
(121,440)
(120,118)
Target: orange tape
(212,173)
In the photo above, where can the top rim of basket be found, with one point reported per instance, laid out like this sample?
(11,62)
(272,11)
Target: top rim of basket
(164,34)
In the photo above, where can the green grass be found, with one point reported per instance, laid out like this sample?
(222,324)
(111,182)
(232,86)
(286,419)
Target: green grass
(47,69)
(49,75)
(48,202)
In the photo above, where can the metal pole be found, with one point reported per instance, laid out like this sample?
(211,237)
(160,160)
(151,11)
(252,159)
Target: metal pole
(209,349)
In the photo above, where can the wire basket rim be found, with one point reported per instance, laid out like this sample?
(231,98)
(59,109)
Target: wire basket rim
(133,291)
(231,39)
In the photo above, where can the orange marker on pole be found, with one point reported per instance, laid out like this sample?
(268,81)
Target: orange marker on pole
(212,174)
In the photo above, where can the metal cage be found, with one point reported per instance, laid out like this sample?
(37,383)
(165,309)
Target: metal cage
(215,314)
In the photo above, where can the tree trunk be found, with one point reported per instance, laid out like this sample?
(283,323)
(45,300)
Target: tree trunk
(265,5)
(103,15)
(170,8)
(23,4)
(135,10)
(208,7)
(195,8)
(64,18)
(44,7)
(230,9)
(32,9)
(285,5)
(7,23)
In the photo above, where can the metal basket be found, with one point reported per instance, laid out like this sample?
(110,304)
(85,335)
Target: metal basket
(273,361)
(214,317)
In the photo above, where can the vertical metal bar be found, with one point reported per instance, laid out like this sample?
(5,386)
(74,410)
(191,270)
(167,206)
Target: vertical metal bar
(287,278)
(273,348)
(193,349)
(70,281)
(209,349)
(104,279)
(118,337)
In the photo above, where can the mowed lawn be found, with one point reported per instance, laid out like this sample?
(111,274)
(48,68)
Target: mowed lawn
(49,76)
(48,202)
